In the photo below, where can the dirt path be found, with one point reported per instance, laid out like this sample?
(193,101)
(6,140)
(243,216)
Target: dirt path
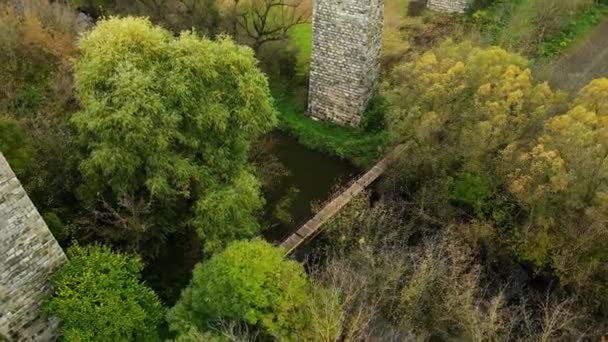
(587,60)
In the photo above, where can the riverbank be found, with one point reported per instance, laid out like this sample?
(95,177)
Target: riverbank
(355,145)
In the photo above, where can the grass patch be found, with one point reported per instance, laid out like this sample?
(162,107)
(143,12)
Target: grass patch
(301,37)
(361,148)
(538,29)
(579,26)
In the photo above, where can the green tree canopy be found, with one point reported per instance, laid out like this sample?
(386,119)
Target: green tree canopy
(250,282)
(99,297)
(14,144)
(167,124)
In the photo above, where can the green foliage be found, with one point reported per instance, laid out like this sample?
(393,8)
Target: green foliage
(279,61)
(301,36)
(98,297)
(283,209)
(167,124)
(250,281)
(373,119)
(471,190)
(224,214)
(56,226)
(576,28)
(541,28)
(15,145)
(359,147)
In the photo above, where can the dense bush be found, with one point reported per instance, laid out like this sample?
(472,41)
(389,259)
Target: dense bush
(560,177)
(425,281)
(457,105)
(248,283)
(14,144)
(279,61)
(98,297)
(490,146)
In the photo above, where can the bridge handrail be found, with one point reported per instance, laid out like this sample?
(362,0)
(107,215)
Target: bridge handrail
(376,171)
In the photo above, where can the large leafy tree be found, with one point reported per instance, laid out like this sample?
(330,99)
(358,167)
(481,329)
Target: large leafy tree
(456,107)
(99,297)
(167,124)
(249,282)
(562,179)
(260,22)
(459,103)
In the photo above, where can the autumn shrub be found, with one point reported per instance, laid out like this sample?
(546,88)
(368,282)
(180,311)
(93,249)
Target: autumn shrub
(455,107)
(441,296)
(491,147)
(560,178)
(422,282)
(38,41)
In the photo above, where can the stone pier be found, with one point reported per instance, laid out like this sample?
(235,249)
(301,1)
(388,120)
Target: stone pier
(345,63)
(29,254)
(449,6)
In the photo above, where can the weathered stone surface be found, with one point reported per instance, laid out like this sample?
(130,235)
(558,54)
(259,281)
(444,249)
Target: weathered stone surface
(449,6)
(345,58)
(28,255)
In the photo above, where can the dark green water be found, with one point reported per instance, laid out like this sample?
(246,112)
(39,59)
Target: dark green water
(313,175)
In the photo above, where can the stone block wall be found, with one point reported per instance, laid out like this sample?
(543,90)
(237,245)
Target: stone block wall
(28,255)
(345,58)
(449,6)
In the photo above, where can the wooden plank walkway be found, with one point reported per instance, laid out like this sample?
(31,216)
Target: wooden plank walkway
(314,225)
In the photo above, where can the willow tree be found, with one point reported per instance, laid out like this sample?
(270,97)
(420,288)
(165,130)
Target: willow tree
(166,123)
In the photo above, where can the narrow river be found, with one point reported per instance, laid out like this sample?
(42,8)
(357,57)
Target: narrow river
(310,177)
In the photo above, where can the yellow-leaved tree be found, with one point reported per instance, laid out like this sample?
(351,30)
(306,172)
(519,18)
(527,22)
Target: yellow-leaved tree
(562,179)
(457,104)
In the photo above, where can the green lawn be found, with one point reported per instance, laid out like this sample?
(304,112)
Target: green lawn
(359,147)
(301,36)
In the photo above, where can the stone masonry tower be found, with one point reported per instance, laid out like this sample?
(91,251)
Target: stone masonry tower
(449,6)
(345,58)
(28,255)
